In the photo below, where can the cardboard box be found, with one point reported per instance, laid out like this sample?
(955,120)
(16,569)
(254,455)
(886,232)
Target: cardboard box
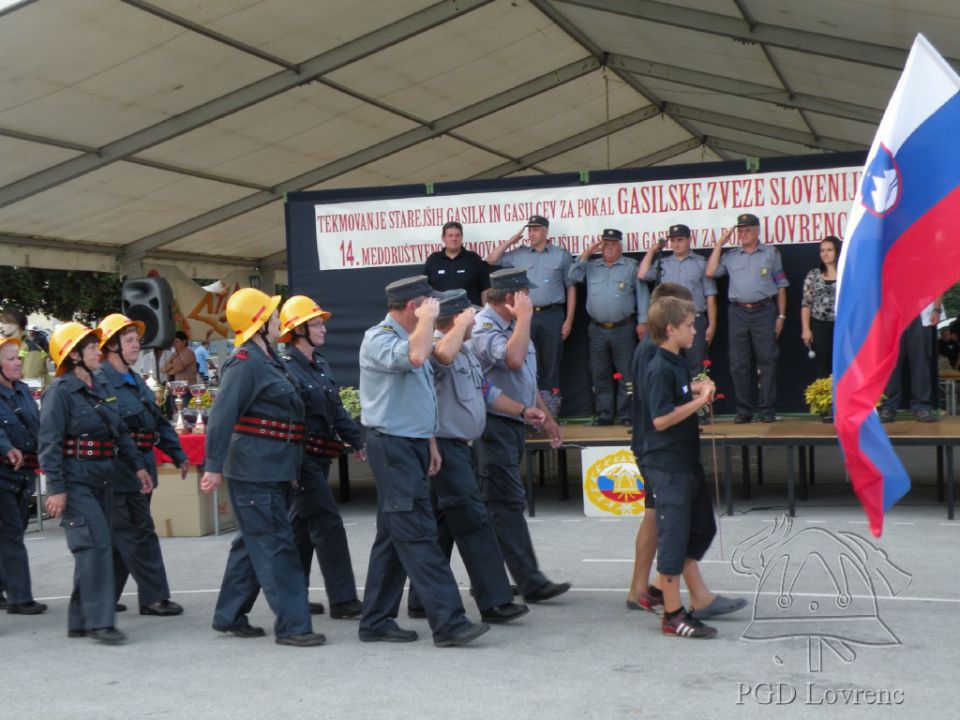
(180,509)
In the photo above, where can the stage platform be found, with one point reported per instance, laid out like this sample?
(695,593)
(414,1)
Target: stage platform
(798,437)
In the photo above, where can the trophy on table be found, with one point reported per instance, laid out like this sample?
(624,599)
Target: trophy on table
(197,392)
(179,389)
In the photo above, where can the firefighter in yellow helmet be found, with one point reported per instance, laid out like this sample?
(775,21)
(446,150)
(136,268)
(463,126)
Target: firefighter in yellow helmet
(82,439)
(19,422)
(317,525)
(134,536)
(255,440)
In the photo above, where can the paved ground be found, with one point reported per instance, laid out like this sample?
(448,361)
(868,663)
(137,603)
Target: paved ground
(583,655)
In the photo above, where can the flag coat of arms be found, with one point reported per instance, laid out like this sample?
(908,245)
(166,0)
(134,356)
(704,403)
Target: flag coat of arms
(902,250)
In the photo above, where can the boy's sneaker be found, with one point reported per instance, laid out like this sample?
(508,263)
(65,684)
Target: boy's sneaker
(648,602)
(683,624)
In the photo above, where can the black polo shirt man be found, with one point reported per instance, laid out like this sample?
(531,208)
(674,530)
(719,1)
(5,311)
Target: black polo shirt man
(456,268)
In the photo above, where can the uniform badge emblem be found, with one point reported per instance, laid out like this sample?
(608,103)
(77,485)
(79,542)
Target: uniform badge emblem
(242,355)
(613,485)
(487,325)
(764,272)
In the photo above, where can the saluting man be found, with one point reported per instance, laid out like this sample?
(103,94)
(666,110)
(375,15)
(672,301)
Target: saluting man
(617,303)
(501,342)
(254,439)
(400,412)
(758,309)
(317,525)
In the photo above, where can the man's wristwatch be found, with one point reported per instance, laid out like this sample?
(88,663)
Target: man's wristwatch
(523,412)
(781,317)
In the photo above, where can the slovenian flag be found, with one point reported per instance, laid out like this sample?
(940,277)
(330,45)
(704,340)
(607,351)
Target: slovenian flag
(902,249)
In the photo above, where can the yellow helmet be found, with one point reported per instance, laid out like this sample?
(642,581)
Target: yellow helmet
(65,339)
(248,310)
(4,340)
(113,324)
(295,312)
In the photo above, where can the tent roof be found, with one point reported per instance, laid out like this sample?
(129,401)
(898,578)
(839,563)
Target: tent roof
(171,129)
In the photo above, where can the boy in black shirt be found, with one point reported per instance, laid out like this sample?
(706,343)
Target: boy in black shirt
(671,459)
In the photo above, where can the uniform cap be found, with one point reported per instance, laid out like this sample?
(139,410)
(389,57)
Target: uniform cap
(408,288)
(510,279)
(678,230)
(538,220)
(748,220)
(612,234)
(453,302)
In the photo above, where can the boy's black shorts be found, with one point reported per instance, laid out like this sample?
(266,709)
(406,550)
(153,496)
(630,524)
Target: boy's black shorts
(649,498)
(685,524)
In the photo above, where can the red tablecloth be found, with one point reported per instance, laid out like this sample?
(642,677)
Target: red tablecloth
(195,446)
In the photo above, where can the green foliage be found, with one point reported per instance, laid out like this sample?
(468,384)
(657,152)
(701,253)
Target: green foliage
(350,397)
(951,299)
(64,294)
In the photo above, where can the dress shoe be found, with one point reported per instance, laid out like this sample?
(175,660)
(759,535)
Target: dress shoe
(416,613)
(30,608)
(470,633)
(500,614)
(887,415)
(743,419)
(164,608)
(241,631)
(768,417)
(310,639)
(346,610)
(601,422)
(926,416)
(108,636)
(393,635)
(317,609)
(546,591)
(119,607)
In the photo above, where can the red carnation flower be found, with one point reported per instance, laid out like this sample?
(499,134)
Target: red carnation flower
(707,363)
(618,376)
(555,391)
(719,396)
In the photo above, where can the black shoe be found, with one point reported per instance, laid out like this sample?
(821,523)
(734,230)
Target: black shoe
(310,639)
(393,635)
(108,636)
(346,610)
(504,613)
(601,422)
(317,609)
(626,422)
(119,607)
(743,419)
(924,416)
(546,591)
(164,608)
(887,415)
(768,417)
(81,633)
(241,631)
(468,634)
(30,608)
(416,613)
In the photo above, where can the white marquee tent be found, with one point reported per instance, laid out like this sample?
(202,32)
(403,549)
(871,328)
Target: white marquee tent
(171,129)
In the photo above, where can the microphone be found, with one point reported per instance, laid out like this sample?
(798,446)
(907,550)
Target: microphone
(811,353)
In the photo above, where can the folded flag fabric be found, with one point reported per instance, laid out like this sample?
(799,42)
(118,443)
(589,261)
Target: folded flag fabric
(902,250)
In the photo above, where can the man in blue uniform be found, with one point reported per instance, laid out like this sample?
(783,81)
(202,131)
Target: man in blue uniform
(254,439)
(501,342)
(400,412)
(314,515)
(758,309)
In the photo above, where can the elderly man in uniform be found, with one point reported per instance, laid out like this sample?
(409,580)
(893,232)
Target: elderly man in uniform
(758,309)
(463,395)
(400,412)
(689,270)
(617,304)
(501,342)
(554,296)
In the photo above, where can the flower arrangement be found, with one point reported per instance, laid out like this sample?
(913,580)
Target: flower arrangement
(819,396)
(350,397)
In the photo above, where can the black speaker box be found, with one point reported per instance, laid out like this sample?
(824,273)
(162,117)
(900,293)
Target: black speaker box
(150,300)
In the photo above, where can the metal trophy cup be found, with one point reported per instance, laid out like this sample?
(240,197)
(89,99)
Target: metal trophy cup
(197,392)
(179,389)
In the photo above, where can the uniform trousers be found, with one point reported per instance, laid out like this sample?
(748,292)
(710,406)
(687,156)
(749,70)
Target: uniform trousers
(546,332)
(753,330)
(916,348)
(263,555)
(611,350)
(14,510)
(318,527)
(86,527)
(136,549)
(462,518)
(503,492)
(406,541)
(696,354)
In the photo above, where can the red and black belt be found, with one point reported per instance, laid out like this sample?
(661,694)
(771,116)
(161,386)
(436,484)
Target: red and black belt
(83,449)
(271,428)
(323,447)
(144,440)
(30,461)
